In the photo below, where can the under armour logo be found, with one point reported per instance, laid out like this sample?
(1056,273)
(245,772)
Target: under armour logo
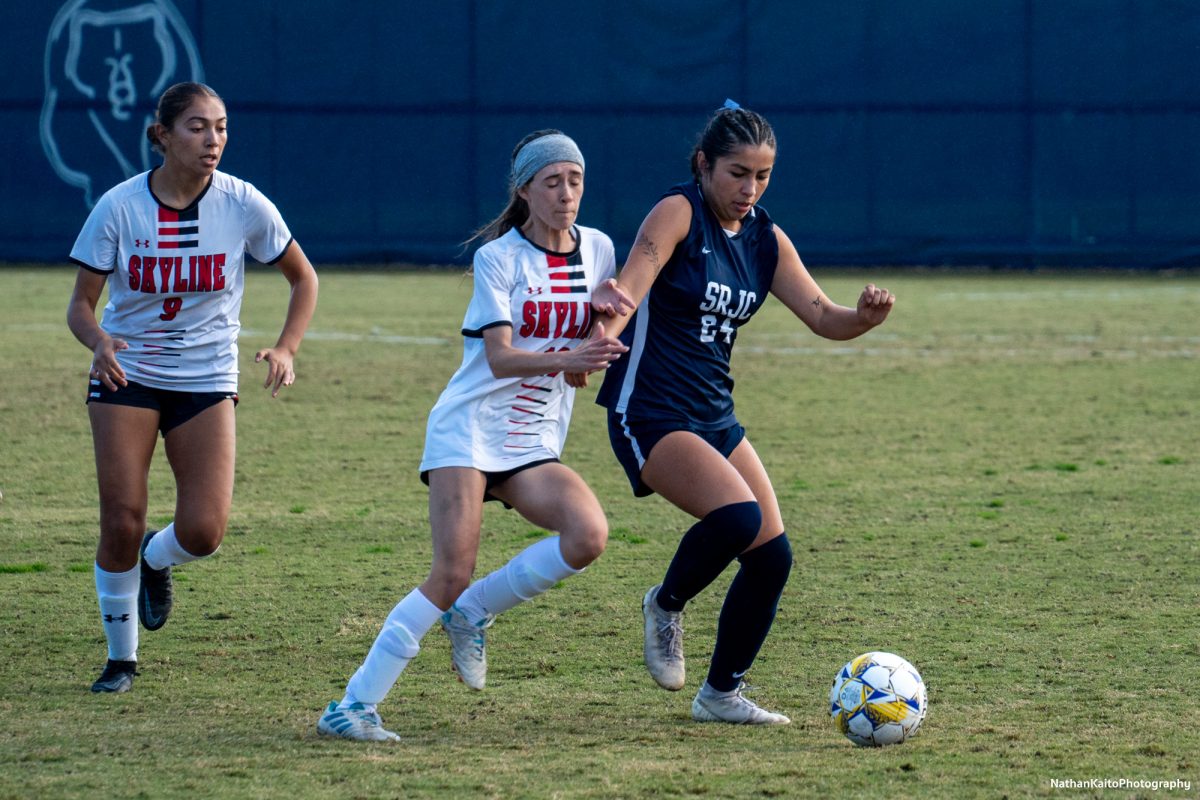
(141,242)
(111,618)
(534,290)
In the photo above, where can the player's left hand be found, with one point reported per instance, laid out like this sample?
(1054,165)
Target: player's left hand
(576,380)
(609,298)
(279,368)
(874,304)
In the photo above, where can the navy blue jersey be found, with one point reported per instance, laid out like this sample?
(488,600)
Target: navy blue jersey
(682,333)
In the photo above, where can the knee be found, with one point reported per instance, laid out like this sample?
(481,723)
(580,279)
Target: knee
(739,522)
(121,529)
(584,544)
(120,521)
(202,548)
(200,540)
(771,562)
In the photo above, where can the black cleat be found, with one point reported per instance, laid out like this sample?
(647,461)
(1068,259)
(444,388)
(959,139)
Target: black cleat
(154,593)
(116,678)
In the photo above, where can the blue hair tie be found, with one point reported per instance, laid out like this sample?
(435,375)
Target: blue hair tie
(731,105)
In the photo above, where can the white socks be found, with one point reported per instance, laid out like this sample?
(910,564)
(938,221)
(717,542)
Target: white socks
(164,550)
(396,645)
(117,592)
(531,572)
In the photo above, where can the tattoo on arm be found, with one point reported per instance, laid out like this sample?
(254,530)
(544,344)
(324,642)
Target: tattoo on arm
(817,301)
(649,248)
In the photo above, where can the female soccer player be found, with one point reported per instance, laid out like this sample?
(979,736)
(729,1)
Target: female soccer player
(704,260)
(497,431)
(165,356)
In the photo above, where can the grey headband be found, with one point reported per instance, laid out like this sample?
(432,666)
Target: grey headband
(549,149)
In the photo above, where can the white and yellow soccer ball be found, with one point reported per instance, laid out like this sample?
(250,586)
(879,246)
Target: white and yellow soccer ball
(878,699)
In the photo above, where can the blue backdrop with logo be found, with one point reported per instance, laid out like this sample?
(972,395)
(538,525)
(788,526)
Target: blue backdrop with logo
(930,132)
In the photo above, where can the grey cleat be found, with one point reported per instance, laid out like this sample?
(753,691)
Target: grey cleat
(663,645)
(732,707)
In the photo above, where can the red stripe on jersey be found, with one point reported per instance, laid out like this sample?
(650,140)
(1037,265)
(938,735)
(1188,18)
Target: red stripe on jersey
(167,215)
(555,261)
(568,289)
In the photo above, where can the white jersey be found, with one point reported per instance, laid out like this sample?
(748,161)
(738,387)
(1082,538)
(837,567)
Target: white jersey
(176,277)
(497,424)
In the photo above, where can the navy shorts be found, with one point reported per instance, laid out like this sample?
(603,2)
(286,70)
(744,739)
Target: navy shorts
(633,440)
(174,408)
(493,479)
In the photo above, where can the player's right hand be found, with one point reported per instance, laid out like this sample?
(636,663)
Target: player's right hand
(105,367)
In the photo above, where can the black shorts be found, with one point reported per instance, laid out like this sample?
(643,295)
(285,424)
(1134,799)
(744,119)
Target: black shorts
(493,479)
(633,440)
(174,408)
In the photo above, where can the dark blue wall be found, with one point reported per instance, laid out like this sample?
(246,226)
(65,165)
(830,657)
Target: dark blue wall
(933,131)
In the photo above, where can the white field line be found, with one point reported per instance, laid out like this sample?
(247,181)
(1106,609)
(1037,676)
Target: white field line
(949,353)
(343,336)
(312,335)
(893,345)
(1122,294)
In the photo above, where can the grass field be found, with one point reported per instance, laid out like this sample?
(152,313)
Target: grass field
(1000,485)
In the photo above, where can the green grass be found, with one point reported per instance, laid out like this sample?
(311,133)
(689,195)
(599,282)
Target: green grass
(999,485)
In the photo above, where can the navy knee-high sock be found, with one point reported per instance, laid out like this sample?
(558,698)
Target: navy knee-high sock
(749,611)
(706,550)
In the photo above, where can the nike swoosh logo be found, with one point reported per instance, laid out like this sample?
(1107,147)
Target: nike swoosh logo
(705,251)
(740,674)
(147,614)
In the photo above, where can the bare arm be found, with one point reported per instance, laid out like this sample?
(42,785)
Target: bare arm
(81,320)
(507,361)
(299,272)
(797,290)
(661,232)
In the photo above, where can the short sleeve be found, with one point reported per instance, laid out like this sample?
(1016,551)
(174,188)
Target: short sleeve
(97,245)
(489,304)
(606,260)
(267,235)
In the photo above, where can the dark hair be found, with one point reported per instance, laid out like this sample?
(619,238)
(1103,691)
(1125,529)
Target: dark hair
(174,101)
(727,130)
(517,210)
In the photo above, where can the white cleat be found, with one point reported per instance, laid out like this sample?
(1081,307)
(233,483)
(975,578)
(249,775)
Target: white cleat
(356,722)
(468,646)
(663,645)
(732,707)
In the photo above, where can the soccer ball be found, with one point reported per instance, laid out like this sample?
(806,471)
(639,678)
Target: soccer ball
(877,699)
